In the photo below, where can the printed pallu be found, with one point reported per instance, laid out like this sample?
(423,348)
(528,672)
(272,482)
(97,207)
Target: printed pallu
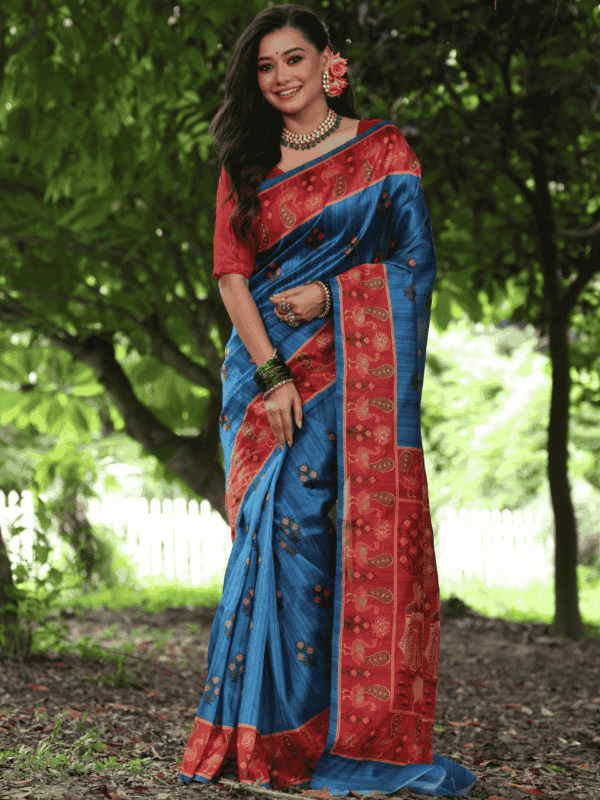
(323,656)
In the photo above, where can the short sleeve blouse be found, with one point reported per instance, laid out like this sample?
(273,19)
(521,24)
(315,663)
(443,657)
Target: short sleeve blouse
(230,256)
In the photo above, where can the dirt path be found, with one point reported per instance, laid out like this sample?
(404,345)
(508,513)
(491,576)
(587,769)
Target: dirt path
(517,707)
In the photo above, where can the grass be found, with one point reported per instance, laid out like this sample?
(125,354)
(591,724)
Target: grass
(151,596)
(534,603)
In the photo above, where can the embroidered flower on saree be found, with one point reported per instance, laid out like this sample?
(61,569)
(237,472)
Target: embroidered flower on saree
(383,434)
(305,654)
(308,476)
(381,627)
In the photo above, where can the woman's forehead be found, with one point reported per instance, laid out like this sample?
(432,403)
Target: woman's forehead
(276,43)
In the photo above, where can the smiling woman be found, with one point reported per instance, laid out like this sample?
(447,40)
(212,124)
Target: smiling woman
(323,656)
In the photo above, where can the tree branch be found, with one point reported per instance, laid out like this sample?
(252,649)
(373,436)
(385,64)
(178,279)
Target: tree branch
(590,267)
(180,454)
(588,232)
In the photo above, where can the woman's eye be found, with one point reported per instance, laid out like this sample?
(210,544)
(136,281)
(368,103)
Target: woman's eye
(264,67)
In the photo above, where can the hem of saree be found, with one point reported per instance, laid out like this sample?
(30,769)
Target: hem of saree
(442,778)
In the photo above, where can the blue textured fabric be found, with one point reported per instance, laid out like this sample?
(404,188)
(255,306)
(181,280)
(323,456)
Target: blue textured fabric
(273,708)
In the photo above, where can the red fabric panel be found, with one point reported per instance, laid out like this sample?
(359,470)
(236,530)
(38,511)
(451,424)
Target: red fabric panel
(229,255)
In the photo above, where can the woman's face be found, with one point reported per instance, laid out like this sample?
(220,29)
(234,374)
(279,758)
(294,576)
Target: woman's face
(301,69)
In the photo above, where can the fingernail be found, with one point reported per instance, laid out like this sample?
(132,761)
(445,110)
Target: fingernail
(300,424)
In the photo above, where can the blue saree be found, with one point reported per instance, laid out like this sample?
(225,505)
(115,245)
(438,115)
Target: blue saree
(323,655)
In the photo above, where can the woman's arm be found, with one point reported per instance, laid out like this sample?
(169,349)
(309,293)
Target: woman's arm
(285,400)
(244,314)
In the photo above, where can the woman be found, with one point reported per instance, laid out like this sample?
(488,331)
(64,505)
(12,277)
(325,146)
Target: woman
(323,656)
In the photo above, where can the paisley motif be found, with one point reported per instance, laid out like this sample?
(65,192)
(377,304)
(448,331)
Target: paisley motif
(374,283)
(378,313)
(378,659)
(381,594)
(380,692)
(414,164)
(395,725)
(384,371)
(340,186)
(305,361)
(382,561)
(287,217)
(383,465)
(404,461)
(382,403)
(367,170)
(385,498)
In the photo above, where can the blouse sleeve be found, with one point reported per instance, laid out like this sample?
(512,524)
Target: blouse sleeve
(230,256)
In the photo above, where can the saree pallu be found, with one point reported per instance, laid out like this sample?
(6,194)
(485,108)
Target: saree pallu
(323,656)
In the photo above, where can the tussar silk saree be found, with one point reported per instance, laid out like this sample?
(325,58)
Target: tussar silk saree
(323,655)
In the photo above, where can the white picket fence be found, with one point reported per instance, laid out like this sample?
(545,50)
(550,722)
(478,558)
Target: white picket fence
(191,544)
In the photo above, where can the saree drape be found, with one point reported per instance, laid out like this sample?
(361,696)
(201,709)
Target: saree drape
(323,656)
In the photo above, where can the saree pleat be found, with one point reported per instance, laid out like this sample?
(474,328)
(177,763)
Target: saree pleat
(324,652)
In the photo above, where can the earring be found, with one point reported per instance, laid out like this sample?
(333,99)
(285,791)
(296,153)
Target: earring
(326,82)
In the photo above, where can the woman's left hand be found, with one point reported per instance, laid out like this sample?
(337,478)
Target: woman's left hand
(306,302)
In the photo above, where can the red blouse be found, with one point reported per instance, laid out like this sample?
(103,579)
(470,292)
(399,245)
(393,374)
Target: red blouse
(230,256)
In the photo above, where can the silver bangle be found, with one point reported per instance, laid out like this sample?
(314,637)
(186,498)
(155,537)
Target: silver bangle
(272,389)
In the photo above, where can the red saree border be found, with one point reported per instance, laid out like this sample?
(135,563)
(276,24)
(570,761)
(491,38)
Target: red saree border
(388,642)
(282,759)
(313,367)
(295,200)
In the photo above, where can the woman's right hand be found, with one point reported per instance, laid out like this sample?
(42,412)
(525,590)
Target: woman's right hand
(280,405)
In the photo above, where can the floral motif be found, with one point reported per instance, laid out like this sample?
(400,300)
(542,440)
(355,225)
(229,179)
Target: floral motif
(331,435)
(411,292)
(416,382)
(248,602)
(381,627)
(273,272)
(229,625)
(410,543)
(236,668)
(308,476)
(224,373)
(357,672)
(225,422)
(315,238)
(381,341)
(305,654)
(279,599)
(358,339)
(322,596)
(383,529)
(291,529)
(211,690)
(357,624)
(383,206)
(357,719)
(359,433)
(383,434)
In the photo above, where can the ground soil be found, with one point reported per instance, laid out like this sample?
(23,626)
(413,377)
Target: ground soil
(516,706)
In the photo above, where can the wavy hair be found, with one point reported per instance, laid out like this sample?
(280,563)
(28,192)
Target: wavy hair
(247,129)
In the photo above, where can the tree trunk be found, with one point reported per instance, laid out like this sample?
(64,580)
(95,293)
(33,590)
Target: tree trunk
(9,618)
(567,619)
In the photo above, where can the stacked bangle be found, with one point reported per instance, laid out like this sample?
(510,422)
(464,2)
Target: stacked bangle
(328,298)
(272,374)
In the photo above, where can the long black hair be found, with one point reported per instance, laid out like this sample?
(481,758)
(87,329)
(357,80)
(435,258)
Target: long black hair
(247,129)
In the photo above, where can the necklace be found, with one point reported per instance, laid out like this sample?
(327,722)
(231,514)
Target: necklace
(307,140)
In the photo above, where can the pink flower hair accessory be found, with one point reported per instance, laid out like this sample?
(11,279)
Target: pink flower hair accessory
(337,68)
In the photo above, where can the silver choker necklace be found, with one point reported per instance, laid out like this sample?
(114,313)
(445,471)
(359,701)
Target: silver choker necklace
(307,140)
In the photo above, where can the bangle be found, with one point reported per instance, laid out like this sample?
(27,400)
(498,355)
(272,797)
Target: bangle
(277,385)
(272,374)
(328,299)
(270,358)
